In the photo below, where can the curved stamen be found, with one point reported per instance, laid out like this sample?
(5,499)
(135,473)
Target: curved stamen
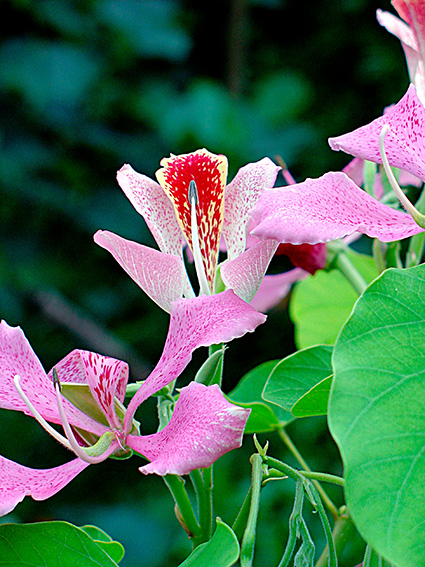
(204,288)
(410,208)
(78,450)
(46,426)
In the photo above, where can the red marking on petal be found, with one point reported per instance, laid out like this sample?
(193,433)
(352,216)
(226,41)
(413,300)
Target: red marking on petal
(209,171)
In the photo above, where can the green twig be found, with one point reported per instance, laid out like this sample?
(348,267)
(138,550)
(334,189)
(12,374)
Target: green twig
(203,488)
(288,442)
(248,540)
(184,510)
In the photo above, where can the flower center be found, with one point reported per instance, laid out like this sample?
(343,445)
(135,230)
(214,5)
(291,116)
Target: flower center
(200,217)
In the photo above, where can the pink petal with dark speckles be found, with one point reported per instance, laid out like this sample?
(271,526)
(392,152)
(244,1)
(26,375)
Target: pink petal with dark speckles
(203,427)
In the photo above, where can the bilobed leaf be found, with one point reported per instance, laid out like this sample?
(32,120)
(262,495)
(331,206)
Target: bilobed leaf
(377,414)
(264,416)
(296,374)
(50,544)
(113,548)
(222,550)
(315,401)
(321,303)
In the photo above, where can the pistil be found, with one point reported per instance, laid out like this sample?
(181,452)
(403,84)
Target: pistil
(204,288)
(410,208)
(46,426)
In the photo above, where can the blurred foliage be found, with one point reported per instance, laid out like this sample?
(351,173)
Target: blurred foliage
(87,85)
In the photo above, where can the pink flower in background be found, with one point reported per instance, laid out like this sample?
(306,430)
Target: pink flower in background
(333,206)
(411,33)
(203,427)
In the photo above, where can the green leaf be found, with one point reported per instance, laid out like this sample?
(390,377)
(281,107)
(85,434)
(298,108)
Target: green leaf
(315,401)
(297,374)
(321,303)
(222,550)
(113,548)
(377,414)
(50,544)
(264,416)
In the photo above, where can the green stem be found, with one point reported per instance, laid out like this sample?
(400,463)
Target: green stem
(242,517)
(332,553)
(323,477)
(184,510)
(203,489)
(293,522)
(343,532)
(288,442)
(350,272)
(248,540)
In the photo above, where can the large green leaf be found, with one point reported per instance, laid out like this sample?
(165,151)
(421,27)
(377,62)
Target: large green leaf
(50,544)
(113,548)
(320,304)
(264,416)
(222,550)
(377,414)
(296,374)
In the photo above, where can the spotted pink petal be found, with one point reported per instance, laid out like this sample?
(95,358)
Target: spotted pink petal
(244,274)
(107,378)
(404,143)
(161,276)
(201,321)
(17,357)
(209,171)
(240,196)
(275,287)
(17,481)
(204,426)
(324,209)
(149,200)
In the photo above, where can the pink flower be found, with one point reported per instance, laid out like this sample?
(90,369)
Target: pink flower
(192,204)
(204,424)
(333,206)
(411,33)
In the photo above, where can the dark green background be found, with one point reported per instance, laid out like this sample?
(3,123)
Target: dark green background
(89,85)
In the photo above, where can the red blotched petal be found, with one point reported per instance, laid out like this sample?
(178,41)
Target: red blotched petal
(201,321)
(309,257)
(17,481)
(204,426)
(209,171)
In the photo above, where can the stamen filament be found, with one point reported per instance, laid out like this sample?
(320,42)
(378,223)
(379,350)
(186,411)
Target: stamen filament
(204,288)
(46,426)
(74,446)
(410,208)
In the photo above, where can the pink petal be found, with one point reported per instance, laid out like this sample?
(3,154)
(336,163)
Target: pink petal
(161,276)
(241,195)
(17,357)
(274,288)
(17,481)
(150,201)
(204,426)
(405,142)
(201,321)
(413,12)
(331,207)
(107,378)
(244,274)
